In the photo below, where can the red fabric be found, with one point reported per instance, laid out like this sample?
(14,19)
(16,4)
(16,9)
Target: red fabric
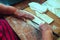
(6,32)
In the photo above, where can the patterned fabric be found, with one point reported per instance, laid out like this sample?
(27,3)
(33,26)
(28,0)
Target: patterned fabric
(6,32)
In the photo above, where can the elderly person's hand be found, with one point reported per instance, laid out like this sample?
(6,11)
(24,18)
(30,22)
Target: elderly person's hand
(9,10)
(46,32)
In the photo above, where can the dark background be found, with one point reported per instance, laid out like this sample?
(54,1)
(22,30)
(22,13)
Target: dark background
(10,2)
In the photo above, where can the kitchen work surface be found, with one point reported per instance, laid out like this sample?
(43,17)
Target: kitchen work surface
(55,23)
(26,31)
(56,19)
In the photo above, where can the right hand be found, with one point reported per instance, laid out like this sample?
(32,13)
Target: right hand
(46,32)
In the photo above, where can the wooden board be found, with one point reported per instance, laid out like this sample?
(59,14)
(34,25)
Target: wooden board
(24,30)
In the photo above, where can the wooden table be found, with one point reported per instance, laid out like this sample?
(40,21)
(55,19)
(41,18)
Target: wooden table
(22,29)
(26,31)
(56,21)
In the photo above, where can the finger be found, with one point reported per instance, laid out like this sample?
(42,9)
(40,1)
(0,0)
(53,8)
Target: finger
(23,14)
(28,16)
(22,18)
(47,32)
(45,27)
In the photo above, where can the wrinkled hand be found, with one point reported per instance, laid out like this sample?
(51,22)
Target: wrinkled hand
(46,32)
(45,27)
(8,10)
(23,14)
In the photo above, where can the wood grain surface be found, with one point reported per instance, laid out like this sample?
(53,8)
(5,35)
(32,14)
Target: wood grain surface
(26,31)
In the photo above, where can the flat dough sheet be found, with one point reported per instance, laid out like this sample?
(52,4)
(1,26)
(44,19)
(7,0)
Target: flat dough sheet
(24,30)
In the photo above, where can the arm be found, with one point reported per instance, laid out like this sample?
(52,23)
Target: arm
(9,10)
(46,32)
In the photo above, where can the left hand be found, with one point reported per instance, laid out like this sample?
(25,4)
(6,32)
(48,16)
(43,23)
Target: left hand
(8,10)
(23,14)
